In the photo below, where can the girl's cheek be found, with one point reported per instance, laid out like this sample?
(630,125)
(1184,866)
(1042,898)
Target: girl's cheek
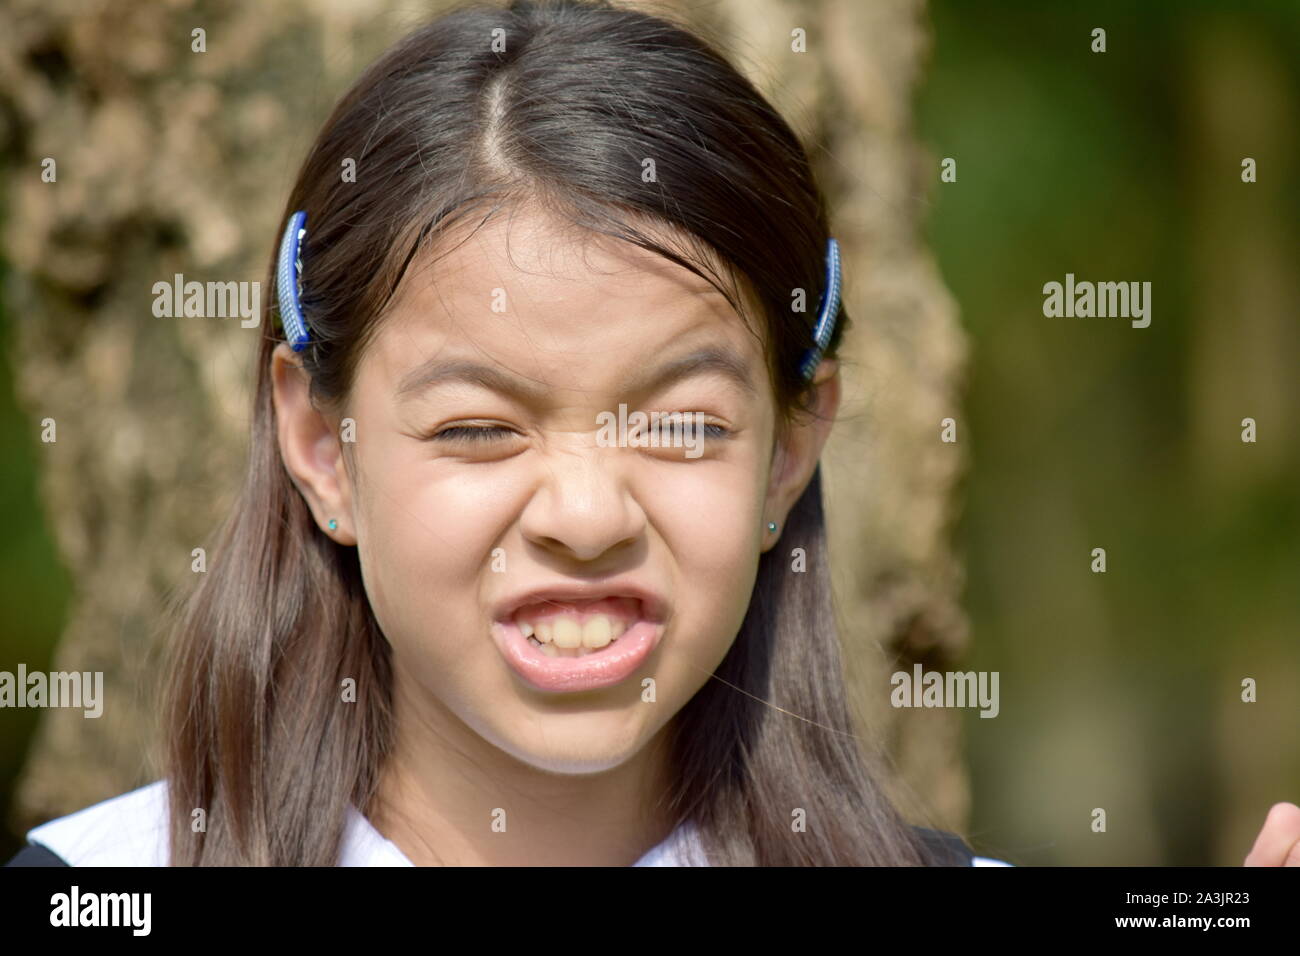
(707,518)
(428,509)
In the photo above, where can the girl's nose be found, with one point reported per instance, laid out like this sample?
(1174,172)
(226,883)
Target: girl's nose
(583,507)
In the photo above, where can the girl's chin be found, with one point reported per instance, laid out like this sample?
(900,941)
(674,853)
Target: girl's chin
(574,743)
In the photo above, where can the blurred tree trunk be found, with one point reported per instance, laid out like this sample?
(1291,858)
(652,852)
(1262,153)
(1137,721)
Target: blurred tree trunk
(168,161)
(174,161)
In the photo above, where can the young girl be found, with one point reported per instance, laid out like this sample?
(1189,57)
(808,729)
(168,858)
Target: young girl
(471,606)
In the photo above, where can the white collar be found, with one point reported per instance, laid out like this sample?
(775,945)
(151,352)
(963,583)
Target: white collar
(132,830)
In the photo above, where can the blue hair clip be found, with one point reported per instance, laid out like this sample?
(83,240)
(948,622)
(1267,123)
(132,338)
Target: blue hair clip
(288,281)
(827,311)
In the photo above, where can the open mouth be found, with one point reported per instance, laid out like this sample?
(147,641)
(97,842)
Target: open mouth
(577,628)
(572,639)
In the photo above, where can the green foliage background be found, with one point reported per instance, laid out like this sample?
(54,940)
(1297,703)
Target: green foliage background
(1122,690)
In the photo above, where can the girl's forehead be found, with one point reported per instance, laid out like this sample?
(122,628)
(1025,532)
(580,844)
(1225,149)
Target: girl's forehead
(551,302)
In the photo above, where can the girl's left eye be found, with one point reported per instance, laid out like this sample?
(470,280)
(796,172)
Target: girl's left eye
(677,423)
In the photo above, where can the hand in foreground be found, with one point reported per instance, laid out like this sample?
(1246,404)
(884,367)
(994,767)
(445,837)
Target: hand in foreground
(1278,844)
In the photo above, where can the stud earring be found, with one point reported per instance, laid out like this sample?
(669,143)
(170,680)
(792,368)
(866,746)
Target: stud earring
(771,527)
(334,525)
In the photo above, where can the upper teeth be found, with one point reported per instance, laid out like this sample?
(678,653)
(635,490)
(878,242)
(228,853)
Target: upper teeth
(568,630)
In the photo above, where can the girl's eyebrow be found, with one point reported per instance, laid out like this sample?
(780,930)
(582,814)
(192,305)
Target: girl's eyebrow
(710,360)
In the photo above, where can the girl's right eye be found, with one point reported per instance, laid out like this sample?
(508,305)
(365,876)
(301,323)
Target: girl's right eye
(472,433)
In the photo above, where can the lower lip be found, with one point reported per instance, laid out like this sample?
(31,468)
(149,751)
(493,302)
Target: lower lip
(612,665)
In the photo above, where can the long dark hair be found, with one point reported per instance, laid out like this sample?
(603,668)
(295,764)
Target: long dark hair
(443,129)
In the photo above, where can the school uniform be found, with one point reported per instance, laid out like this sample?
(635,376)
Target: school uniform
(132,830)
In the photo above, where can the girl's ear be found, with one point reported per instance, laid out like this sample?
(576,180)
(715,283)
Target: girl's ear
(310,448)
(795,457)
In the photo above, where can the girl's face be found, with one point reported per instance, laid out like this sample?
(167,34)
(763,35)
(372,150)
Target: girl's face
(488,503)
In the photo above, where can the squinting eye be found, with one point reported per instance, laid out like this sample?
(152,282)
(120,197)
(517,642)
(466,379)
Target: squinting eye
(675,423)
(472,433)
(710,430)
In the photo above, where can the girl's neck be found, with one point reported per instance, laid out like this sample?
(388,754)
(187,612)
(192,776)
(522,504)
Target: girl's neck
(447,797)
